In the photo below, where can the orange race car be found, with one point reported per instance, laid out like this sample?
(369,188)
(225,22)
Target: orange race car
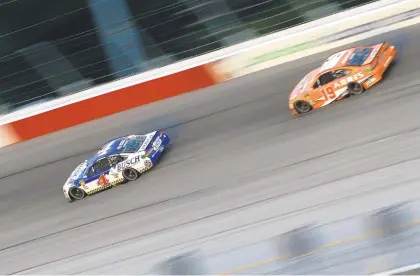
(345,73)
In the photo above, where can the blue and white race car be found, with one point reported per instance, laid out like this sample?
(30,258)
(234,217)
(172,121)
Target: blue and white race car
(118,161)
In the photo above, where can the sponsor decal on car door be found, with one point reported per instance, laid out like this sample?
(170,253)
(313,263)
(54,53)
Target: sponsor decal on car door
(336,88)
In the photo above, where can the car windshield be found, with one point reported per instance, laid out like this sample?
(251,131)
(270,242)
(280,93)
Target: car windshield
(359,56)
(134,144)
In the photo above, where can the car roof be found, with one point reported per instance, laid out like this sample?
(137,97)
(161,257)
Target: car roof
(338,59)
(111,147)
(341,58)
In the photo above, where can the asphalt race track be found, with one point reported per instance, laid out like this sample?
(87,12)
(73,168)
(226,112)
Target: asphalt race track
(238,158)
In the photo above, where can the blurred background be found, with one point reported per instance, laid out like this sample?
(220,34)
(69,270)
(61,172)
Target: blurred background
(375,242)
(50,48)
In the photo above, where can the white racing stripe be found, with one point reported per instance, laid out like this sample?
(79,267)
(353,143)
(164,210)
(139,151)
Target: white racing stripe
(400,270)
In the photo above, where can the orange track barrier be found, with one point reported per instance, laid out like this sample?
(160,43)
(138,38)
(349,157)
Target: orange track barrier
(108,104)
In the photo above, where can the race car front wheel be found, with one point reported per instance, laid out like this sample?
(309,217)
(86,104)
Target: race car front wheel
(130,174)
(355,88)
(77,193)
(302,107)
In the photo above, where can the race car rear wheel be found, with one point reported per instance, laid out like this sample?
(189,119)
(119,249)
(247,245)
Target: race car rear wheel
(130,174)
(302,107)
(77,193)
(355,88)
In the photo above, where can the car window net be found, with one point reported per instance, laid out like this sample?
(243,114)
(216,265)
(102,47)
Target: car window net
(102,165)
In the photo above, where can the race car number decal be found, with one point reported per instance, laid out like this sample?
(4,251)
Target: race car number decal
(102,181)
(329,94)
(157,144)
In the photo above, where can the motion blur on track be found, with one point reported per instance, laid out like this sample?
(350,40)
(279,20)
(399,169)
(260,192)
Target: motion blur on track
(242,170)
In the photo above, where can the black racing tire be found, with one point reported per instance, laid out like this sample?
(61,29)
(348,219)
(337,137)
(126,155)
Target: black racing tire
(77,193)
(130,174)
(355,88)
(302,107)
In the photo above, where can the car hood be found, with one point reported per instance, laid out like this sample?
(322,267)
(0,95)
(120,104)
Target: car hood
(303,85)
(76,174)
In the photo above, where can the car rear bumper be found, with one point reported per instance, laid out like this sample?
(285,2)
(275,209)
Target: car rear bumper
(157,150)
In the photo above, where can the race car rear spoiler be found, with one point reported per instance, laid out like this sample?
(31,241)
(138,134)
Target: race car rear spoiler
(377,54)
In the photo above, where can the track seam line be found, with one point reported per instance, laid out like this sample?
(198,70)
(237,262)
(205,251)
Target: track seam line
(224,186)
(276,197)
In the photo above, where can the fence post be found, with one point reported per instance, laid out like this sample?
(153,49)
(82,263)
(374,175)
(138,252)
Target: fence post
(299,247)
(189,263)
(388,226)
